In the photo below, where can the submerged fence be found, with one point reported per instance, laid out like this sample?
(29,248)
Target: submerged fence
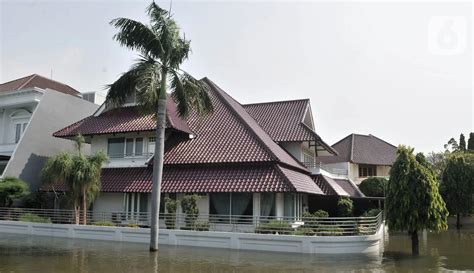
(307,226)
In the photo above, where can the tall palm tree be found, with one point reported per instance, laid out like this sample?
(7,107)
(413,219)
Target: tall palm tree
(81,174)
(162,50)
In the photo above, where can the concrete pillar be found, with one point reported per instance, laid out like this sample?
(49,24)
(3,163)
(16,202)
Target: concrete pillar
(280,205)
(256,207)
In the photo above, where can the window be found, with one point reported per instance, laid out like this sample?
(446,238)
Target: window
(115,147)
(136,206)
(367,170)
(151,145)
(139,146)
(120,147)
(239,205)
(19,129)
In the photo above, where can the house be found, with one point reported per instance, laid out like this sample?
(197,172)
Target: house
(32,108)
(251,160)
(360,156)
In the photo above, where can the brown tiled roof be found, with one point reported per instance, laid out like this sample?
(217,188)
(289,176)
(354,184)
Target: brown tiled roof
(40,82)
(122,120)
(227,135)
(200,179)
(337,186)
(283,121)
(362,149)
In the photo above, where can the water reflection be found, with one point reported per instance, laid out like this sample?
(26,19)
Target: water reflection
(448,250)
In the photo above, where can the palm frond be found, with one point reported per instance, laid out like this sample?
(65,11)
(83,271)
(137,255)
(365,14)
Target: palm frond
(189,93)
(180,53)
(130,82)
(56,169)
(158,16)
(135,35)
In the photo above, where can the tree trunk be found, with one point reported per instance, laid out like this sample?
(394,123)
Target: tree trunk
(458,221)
(77,211)
(415,245)
(158,164)
(84,207)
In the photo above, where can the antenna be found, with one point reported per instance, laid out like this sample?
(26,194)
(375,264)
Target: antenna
(171,5)
(51,75)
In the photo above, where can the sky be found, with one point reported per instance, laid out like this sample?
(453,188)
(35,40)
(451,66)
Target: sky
(401,71)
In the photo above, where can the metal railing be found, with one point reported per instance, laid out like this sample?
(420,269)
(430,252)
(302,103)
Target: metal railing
(308,226)
(321,166)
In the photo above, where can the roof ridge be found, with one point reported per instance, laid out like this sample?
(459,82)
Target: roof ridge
(221,93)
(273,102)
(352,148)
(25,83)
(14,80)
(383,140)
(37,75)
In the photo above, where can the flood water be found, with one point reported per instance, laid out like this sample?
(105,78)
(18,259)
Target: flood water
(449,250)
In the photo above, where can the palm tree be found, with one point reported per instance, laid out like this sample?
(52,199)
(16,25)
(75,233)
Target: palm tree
(81,174)
(162,51)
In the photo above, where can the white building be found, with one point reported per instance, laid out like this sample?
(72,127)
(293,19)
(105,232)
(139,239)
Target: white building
(31,109)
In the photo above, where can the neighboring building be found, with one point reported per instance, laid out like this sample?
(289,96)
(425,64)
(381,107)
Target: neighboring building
(97,97)
(242,159)
(361,156)
(31,109)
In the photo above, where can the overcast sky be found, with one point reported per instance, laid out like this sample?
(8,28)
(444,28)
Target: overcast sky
(397,70)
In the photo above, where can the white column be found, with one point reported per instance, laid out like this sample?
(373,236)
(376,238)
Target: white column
(256,207)
(280,205)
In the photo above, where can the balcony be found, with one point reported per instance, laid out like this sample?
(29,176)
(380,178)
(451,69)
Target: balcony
(129,160)
(7,149)
(316,168)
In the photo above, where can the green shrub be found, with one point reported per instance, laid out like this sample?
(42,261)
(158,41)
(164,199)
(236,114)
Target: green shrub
(132,225)
(345,207)
(103,223)
(304,231)
(321,214)
(170,216)
(274,227)
(202,226)
(329,231)
(374,186)
(30,217)
(189,205)
(371,213)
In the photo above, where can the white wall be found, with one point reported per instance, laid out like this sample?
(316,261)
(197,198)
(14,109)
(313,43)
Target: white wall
(294,149)
(109,202)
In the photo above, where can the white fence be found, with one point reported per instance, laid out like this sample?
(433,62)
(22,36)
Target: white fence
(302,226)
(228,240)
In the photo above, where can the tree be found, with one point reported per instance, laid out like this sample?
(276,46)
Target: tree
(413,201)
(452,145)
(81,174)
(374,186)
(438,162)
(470,142)
(457,186)
(462,143)
(162,52)
(12,188)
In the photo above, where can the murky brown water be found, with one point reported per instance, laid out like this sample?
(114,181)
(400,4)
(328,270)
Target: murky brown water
(439,252)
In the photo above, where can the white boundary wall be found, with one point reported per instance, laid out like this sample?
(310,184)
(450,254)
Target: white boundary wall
(228,240)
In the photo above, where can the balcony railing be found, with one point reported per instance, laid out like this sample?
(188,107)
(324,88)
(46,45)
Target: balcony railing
(128,160)
(308,226)
(7,147)
(320,166)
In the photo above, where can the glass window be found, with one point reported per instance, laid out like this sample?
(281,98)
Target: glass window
(367,170)
(219,203)
(289,204)
(18,132)
(138,146)
(129,147)
(115,147)
(267,204)
(242,204)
